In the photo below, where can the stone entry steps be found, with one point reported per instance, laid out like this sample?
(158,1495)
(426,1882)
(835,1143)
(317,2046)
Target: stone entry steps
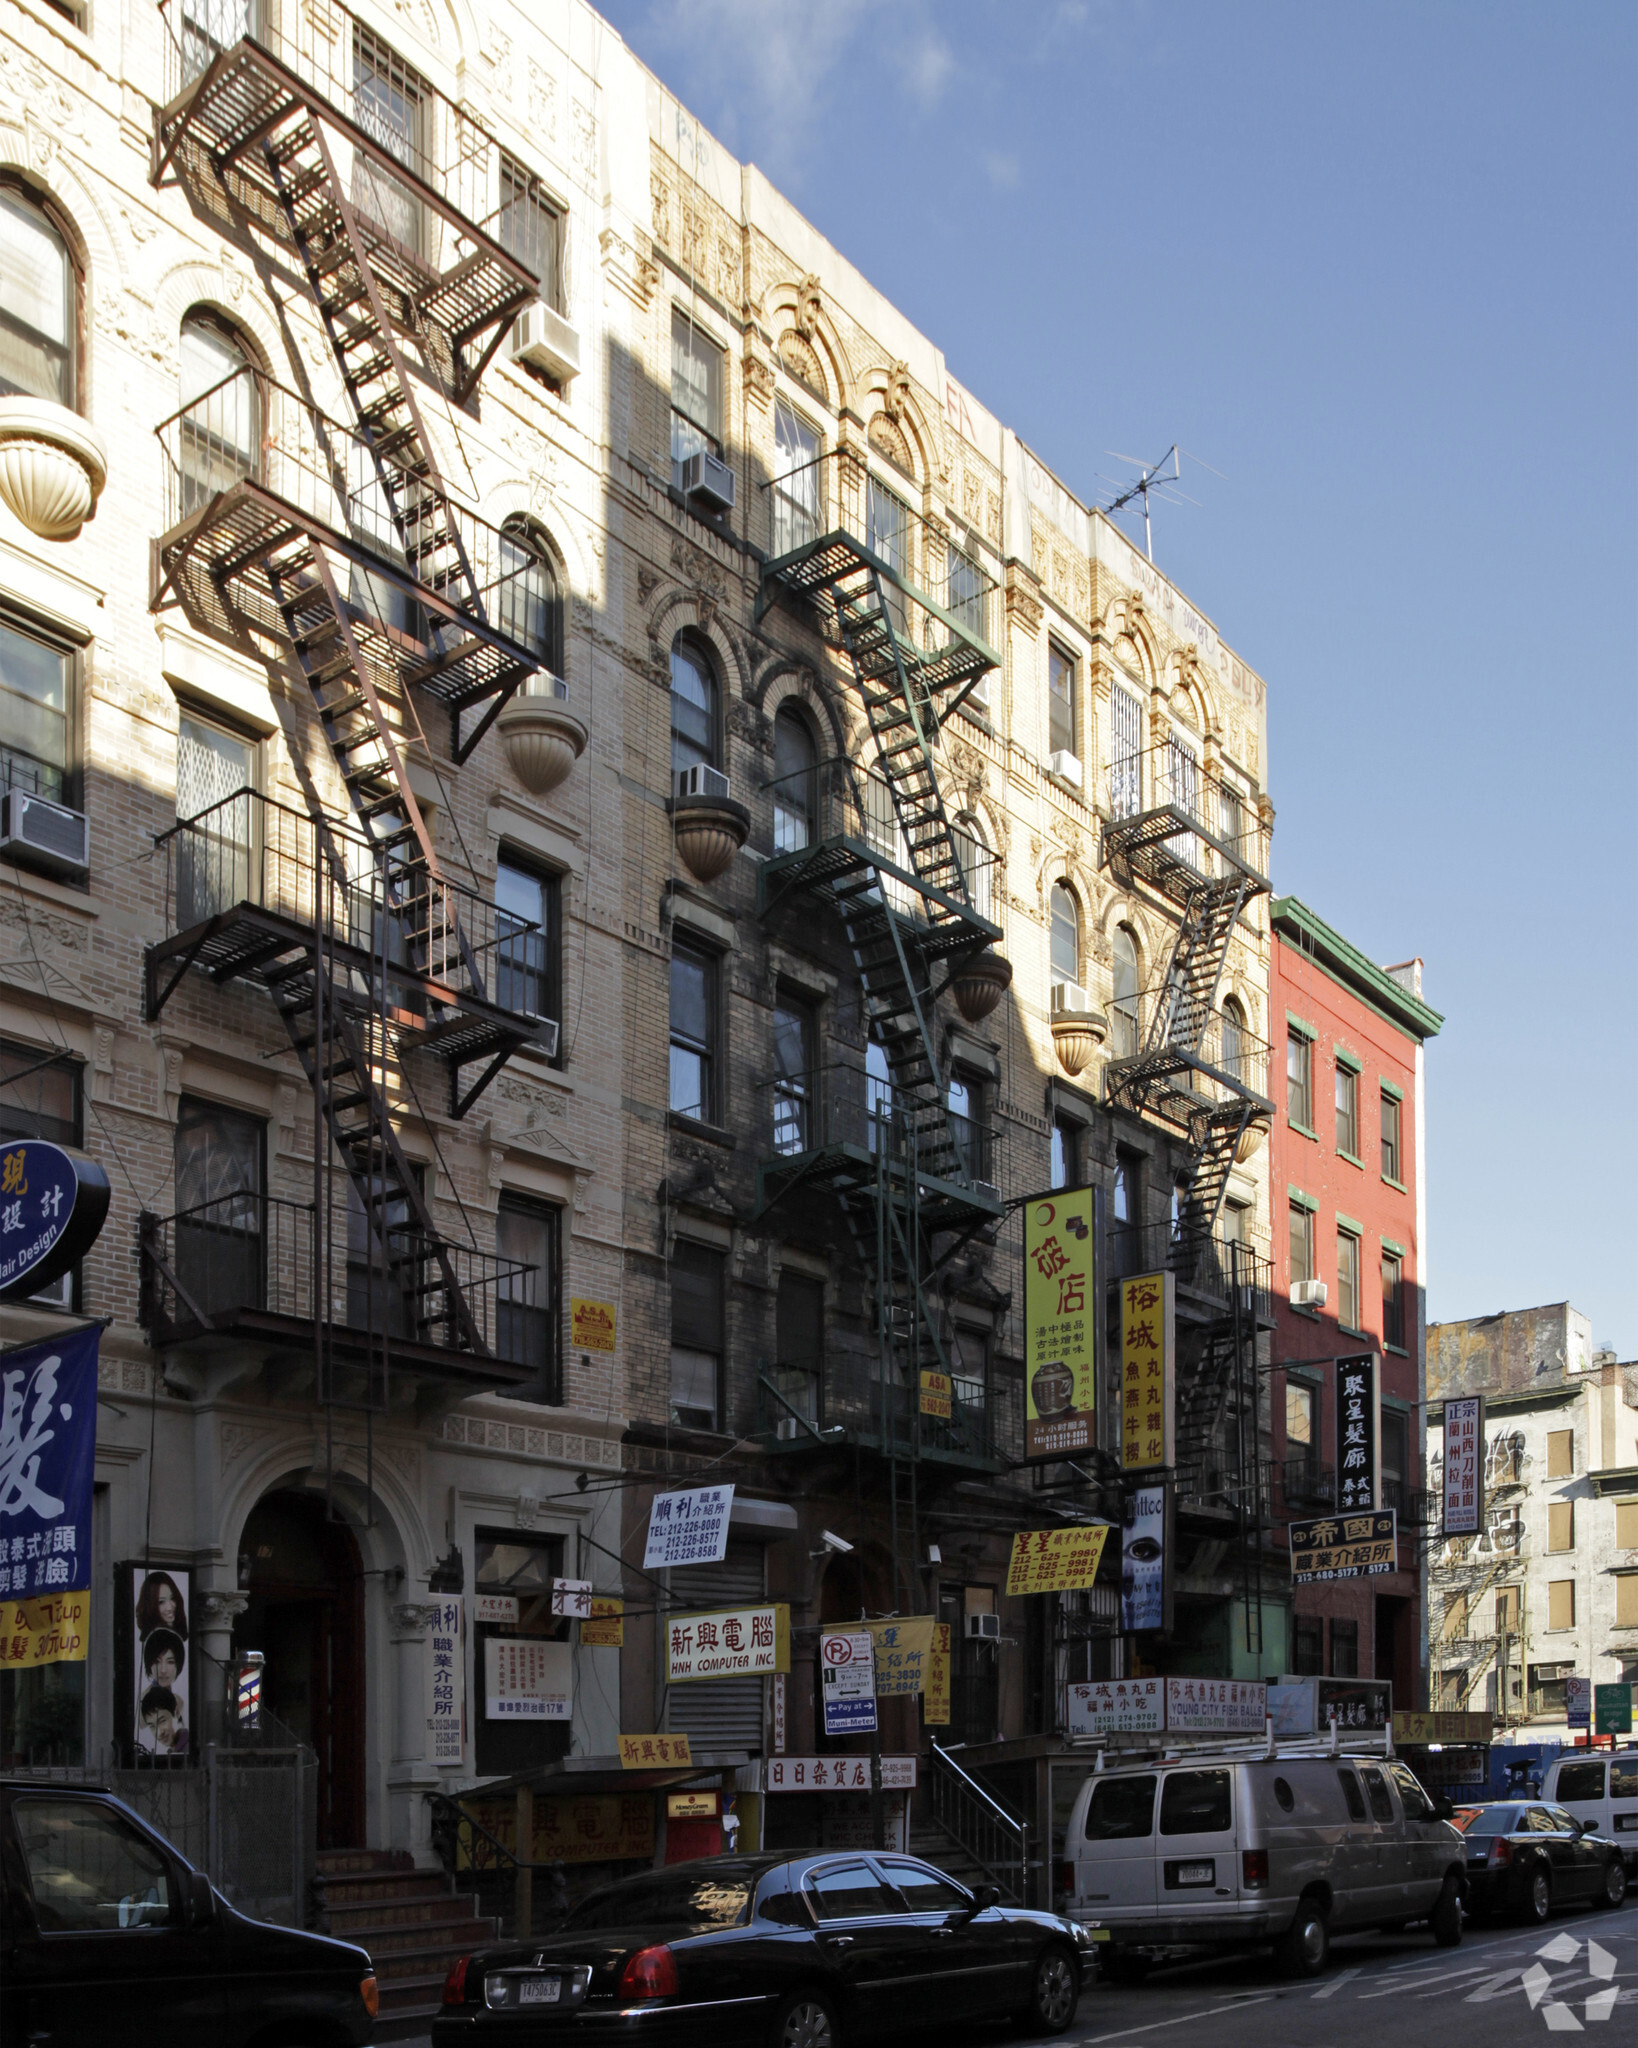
(413,1923)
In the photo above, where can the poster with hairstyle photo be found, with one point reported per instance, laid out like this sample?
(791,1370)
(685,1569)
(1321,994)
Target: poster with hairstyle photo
(162,1730)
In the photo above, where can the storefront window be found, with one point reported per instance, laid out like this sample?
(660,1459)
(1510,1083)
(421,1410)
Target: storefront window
(513,1581)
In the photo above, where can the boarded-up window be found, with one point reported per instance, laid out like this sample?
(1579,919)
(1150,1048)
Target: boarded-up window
(1560,1453)
(1561,1603)
(1626,1599)
(1508,1609)
(1455,1617)
(1626,1525)
(1561,1525)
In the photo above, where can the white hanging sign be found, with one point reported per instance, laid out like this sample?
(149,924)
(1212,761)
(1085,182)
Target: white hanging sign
(688,1528)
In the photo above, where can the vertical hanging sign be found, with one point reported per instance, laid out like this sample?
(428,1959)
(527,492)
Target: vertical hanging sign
(1061,1298)
(48,1446)
(1359,1430)
(1148,1371)
(1464,1466)
(446,1683)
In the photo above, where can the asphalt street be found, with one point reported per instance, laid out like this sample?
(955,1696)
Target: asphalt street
(1504,1985)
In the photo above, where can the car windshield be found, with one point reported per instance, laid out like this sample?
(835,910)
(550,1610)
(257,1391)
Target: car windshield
(1494,1820)
(701,1898)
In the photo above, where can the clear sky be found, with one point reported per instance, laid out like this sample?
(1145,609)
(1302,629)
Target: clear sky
(1375,265)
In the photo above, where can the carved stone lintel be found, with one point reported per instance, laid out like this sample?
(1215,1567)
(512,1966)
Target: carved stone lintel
(1024,608)
(630,269)
(759,380)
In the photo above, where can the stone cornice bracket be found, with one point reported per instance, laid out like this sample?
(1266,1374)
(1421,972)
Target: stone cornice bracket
(412,1617)
(1024,608)
(171,1052)
(222,1610)
(758,368)
(807,307)
(628,265)
(896,393)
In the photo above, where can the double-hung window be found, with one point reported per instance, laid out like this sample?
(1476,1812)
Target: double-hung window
(696,394)
(696,1336)
(39,304)
(215,864)
(1125,753)
(1347,1102)
(36,712)
(1302,1244)
(693,1033)
(796,481)
(220,1224)
(793,1075)
(1390,1137)
(390,105)
(1060,700)
(531,229)
(526,1307)
(1348,1279)
(527,952)
(1393,1300)
(1299,1079)
(887,535)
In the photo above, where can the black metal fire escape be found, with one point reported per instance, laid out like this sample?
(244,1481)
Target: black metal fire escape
(888,866)
(372,602)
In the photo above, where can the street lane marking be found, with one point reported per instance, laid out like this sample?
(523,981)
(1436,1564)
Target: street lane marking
(1560,2019)
(1563,1948)
(1599,1960)
(1125,2033)
(1414,1983)
(1330,1990)
(1602,2003)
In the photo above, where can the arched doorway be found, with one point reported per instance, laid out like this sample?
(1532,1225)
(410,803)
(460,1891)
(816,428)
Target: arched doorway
(306,1616)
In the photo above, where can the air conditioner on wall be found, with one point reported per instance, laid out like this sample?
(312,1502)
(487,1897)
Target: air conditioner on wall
(42,834)
(700,781)
(984,1628)
(1069,999)
(1066,766)
(707,477)
(543,339)
(1308,1294)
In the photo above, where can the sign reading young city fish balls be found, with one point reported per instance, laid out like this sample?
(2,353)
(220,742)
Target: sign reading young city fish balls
(1062,1301)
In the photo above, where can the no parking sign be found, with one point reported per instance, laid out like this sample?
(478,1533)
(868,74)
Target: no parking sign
(848,1682)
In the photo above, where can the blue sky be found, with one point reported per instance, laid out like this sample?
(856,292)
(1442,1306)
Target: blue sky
(1375,265)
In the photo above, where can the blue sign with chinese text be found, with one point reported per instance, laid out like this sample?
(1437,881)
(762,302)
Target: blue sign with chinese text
(52,1205)
(48,1448)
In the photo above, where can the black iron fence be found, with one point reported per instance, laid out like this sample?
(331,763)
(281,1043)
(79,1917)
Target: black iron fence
(1211,1267)
(1214,816)
(854,1103)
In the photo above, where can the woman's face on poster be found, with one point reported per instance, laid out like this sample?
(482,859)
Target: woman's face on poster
(165,1604)
(163,1669)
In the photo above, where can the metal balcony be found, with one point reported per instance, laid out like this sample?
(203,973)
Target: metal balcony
(802,1409)
(1207,1270)
(1180,828)
(1187,1084)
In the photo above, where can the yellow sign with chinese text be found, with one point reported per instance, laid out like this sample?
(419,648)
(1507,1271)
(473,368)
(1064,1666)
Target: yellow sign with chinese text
(654,1752)
(935,1395)
(1056,1560)
(935,1698)
(606,1629)
(901,1651)
(1148,1371)
(1061,1306)
(55,1629)
(598,1828)
(591,1325)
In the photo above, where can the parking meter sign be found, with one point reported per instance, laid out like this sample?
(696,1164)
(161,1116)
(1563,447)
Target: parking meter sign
(848,1682)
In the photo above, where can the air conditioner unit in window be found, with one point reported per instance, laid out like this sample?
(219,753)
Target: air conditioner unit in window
(700,781)
(543,339)
(1066,766)
(1308,1294)
(707,477)
(984,1628)
(1069,999)
(38,833)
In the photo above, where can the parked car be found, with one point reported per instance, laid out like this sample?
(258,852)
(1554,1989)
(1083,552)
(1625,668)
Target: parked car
(1527,1858)
(107,1934)
(1209,1852)
(801,1952)
(1602,1790)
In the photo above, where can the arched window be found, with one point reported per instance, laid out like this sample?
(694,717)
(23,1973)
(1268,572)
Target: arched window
(977,863)
(530,610)
(693,708)
(39,304)
(1234,1038)
(219,435)
(794,793)
(1066,935)
(1124,1006)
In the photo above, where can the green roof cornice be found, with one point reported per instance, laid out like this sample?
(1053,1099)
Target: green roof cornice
(1294,921)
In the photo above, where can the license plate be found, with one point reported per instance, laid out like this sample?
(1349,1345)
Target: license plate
(540,1990)
(1196,1873)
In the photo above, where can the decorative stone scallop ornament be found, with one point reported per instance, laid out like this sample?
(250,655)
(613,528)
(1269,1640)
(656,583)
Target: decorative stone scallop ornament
(53,466)
(710,828)
(1250,1140)
(1076,1036)
(979,984)
(542,737)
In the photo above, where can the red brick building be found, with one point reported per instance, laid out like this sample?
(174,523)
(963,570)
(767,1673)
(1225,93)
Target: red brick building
(1347,1153)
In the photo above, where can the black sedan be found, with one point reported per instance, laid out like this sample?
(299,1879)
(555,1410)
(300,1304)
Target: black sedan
(780,1951)
(1528,1858)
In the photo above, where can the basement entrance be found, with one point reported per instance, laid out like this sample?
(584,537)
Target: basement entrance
(306,1616)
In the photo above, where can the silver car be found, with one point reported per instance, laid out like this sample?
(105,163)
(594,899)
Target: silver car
(1218,1852)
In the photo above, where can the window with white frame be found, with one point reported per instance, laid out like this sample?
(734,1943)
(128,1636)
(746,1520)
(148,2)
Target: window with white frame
(696,393)
(1125,753)
(795,481)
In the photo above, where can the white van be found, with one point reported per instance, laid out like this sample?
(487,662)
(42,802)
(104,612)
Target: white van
(1221,1851)
(1601,1789)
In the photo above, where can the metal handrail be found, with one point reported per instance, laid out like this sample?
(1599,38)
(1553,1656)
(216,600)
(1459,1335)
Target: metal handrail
(993,1827)
(1003,1812)
(1169,782)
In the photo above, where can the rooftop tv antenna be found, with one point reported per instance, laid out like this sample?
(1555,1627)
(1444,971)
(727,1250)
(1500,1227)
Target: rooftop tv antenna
(1155,477)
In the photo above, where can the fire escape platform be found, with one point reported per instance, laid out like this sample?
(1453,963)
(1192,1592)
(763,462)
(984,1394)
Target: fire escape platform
(849,1170)
(1146,846)
(1164,1080)
(844,869)
(226,545)
(412,1359)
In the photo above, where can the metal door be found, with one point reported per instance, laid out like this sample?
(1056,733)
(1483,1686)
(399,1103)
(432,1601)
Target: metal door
(1393,1887)
(1115,1860)
(1197,1859)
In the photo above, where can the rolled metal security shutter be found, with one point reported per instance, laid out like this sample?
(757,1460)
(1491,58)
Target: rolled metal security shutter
(719,1713)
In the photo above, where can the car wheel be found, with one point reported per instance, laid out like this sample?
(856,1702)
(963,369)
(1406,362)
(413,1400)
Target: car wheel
(1446,1917)
(1615,1882)
(1307,1942)
(805,2020)
(1538,1898)
(1054,1992)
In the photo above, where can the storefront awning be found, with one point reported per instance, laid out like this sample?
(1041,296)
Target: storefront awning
(581,1776)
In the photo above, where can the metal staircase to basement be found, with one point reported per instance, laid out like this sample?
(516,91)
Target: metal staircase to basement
(886,863)
(341,546)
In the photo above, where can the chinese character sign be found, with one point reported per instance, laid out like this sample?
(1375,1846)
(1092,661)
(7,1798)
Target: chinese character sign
(591,1325)
(688,1528)
(1056,1560)
(935,1700)
(1117,1706)
(654,1752)
(592,1829)
(525,1679)
(446,1682)
(1359,1430)
(901,1652)
(52,1207)
(1144,1563)
(935,1395)
(161,1724)
(48,1445)
(730,1642)
(1216,1706)
(55,1630)
(1464,1466)
(1148,1324)
(1062,1301)
(1344,1547)
(837,1773)
(606,1629)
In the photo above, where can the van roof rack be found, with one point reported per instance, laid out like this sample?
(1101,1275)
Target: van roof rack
(1176,1747)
